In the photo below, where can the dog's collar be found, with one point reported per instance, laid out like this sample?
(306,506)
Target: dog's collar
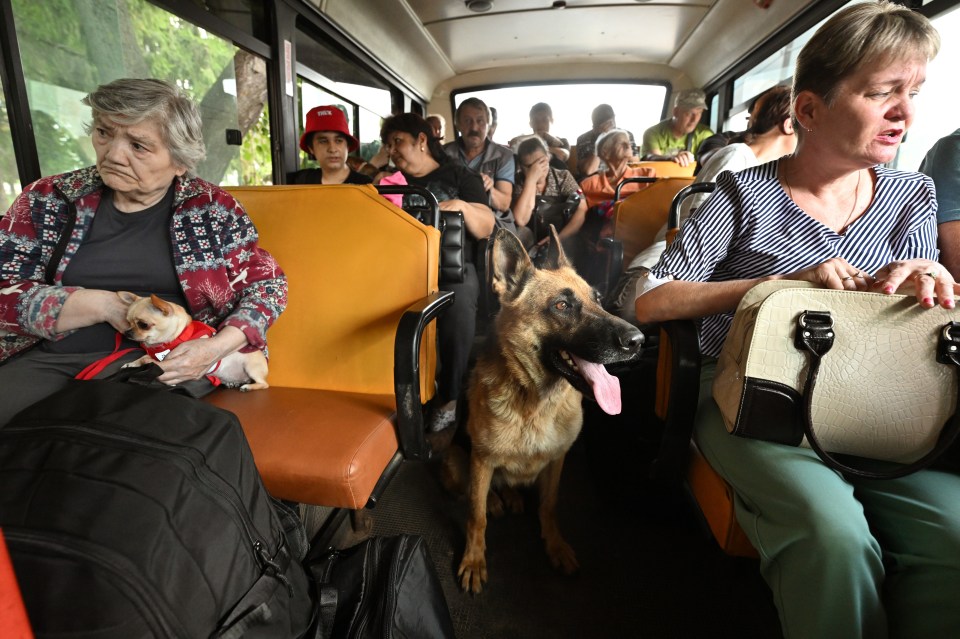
(194,330)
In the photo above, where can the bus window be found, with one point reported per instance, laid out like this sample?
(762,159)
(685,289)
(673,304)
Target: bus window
(936,113)
(637,107)
(331,73)
(69,48)
(9,184)
(775,69)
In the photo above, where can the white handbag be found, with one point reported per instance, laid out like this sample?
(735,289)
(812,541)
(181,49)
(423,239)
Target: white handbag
(846,372)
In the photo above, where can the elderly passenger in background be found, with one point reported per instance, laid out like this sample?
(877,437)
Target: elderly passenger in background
(541,179)
(326,138)
(678,137)
(844,557)
(769,136)
(438,125)
(422,161)
(604,120)
(942,163)
(541,117)
(494,163)
(615,150)
(141,223)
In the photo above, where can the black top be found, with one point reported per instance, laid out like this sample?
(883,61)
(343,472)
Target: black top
(314,176)
(122,252)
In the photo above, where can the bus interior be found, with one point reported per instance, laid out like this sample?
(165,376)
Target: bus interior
(650,566)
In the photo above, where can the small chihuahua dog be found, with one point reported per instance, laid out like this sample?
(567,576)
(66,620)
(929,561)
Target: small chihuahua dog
(156,323)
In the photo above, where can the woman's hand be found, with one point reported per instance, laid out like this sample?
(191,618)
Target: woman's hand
(835,273)
(537,171)
(925,278)
(191,360)
(88,306)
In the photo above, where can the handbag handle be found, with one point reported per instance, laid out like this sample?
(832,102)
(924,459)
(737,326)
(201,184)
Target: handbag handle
(815,335)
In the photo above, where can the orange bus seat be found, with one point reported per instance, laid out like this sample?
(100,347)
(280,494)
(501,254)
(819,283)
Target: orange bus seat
(640,216)
(13,616)
(328,430)
(666,168)
(677,396)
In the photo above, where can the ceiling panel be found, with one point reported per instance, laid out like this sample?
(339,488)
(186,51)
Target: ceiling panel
(530,31)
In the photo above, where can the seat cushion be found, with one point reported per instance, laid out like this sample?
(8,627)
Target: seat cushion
(313,446)
(715,498)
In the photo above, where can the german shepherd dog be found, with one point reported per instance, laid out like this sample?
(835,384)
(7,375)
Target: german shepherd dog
(550,341)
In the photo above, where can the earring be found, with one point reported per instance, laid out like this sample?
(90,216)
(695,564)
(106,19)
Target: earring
(421,148)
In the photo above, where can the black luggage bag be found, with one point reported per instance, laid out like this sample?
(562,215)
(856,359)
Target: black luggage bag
(133,512)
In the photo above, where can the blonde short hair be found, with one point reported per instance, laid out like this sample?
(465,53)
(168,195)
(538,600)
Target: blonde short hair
(860,35)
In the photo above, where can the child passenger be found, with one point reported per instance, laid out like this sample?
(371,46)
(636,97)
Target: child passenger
(327,139)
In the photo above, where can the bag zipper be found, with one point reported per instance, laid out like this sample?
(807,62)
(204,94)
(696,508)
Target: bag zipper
(172,453)
(162,622)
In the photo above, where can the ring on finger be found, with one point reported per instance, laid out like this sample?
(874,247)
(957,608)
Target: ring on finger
(932,274)
(848,277)
(857,274)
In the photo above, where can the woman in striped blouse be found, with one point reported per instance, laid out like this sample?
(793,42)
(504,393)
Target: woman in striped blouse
(844,558)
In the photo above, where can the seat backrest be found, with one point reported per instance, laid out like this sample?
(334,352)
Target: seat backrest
(640,216)
(666,168)
(354,262)
(572,160)
(673,218)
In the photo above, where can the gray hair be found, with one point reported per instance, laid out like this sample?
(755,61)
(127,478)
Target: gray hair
(861,35)
(130,101)
(608,139)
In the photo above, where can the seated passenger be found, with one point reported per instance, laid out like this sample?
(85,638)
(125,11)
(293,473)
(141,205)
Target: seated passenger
(438,125)
(60,316)
(678,137)
(541,117)
(942,163)
(769,137)
(588,162)
(539,178)
(844,557)
(418,155)
(494,163)
(615,151)
(326,139)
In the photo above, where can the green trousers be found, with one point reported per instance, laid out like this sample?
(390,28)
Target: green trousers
(844,558)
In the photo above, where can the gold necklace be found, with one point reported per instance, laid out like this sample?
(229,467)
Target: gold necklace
(856,195)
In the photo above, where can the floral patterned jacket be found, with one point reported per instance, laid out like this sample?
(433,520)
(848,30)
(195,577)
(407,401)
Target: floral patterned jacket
(227,279)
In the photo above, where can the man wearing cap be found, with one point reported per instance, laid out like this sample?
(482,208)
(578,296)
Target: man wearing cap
(493,162)
(588,162)
(678,137)
(326,139)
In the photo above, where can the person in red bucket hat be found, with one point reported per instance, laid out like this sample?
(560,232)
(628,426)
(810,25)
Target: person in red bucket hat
(326,139)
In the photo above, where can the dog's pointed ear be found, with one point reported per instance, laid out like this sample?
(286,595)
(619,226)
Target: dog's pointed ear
(161,305)
(511,265)
(127,297)
(555,257)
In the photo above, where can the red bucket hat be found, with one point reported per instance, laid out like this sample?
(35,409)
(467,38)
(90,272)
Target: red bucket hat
(327,118)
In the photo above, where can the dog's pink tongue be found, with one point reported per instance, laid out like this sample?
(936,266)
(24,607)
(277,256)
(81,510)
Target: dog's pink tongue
(606,387)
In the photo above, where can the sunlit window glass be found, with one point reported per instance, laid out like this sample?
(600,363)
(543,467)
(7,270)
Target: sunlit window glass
(69,47)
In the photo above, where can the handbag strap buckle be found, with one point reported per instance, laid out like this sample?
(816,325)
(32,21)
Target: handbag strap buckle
(948,346)
(814,332)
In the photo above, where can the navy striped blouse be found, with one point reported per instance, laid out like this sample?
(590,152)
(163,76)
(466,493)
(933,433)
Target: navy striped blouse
(749,228)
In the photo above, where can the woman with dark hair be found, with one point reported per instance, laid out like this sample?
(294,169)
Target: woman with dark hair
(418,155)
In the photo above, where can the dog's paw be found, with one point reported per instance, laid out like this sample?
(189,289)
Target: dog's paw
(472,573)
(512,499)
(562,556)
(495,505)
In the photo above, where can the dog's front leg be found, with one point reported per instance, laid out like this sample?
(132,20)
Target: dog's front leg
(559,551)
(473,566)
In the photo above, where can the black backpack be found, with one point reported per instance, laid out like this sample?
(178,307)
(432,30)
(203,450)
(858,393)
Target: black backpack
(382,588)
(133,512)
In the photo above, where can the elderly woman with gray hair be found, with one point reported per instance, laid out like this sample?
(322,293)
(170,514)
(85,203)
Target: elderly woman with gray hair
(136,221)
